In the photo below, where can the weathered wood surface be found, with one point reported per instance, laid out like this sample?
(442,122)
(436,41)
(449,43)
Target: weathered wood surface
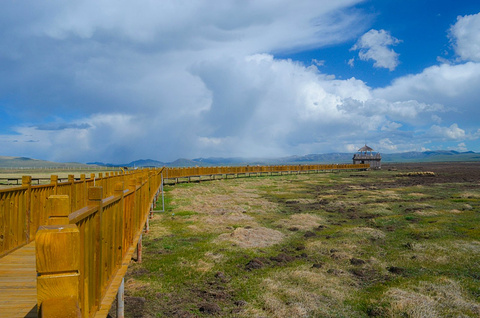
(18,283)
(58,264)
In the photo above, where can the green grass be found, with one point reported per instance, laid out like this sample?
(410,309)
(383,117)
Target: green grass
(348,246)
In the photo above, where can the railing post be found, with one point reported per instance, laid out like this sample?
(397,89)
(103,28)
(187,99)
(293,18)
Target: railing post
(57,252)
(58,209)
(139,249)
(132,184)
(147,225)
(95,196)
(83,195)
(73,194)
(163,196)
(27,182)
(120,226)
(54,181)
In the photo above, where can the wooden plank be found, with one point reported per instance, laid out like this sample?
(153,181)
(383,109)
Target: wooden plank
(18,284)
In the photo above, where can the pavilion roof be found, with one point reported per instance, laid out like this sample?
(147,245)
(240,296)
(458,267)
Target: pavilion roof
(365,148)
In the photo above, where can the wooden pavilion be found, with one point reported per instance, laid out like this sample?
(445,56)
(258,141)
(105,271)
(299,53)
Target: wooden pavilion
(368,156)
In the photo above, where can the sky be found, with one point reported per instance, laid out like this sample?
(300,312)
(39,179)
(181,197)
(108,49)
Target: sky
(117,81)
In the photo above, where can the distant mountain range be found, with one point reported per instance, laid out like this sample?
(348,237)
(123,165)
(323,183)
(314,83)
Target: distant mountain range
(413,156)
(24,162)
(426,156)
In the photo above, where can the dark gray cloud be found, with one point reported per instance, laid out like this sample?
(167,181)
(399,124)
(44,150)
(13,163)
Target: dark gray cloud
(59,126)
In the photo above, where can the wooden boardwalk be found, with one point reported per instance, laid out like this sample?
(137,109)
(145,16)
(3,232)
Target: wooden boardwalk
(18,283)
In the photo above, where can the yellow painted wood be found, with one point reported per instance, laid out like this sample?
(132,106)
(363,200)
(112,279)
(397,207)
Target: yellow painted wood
(58,264)
(58,209)
(57,249)
(68,308)
(18,285)
(112,289)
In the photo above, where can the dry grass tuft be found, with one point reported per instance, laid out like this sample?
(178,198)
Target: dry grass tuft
(300,221)
(203,266)
(228,219)
(367,232)
(417,194)
(301,201)
(410,304)
(157,229)
(381,209)
(335,250)
(388,193)
(455,211)
(133,285)
(426,213)
(417,174)
(454,251)
(221,206)
(252,237)
(442,298)
(305,292)
(470,195)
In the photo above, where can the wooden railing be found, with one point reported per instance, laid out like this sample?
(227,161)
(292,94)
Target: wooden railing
(23,209)
(95,246)
(87,230)
(171,173)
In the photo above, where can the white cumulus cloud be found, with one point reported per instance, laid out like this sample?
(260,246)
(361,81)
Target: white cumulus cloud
(452,132)
(465,35)
(453,86)
(375,45)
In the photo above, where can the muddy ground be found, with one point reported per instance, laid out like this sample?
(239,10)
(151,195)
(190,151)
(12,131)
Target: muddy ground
(451,172)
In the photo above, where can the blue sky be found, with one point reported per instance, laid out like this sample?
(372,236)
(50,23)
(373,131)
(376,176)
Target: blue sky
(420,25)
(116,81)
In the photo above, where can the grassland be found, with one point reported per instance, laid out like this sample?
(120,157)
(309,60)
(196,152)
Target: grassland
(352,244)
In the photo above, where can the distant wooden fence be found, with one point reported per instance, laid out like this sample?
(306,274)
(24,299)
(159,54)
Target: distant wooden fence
(191,172)
(86,230)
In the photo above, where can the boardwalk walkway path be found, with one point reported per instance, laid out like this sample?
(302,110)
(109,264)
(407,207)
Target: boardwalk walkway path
(18,283)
